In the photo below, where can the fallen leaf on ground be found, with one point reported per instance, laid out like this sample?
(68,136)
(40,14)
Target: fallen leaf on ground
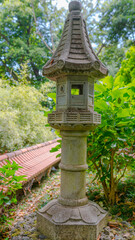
(99,237)
(116,224)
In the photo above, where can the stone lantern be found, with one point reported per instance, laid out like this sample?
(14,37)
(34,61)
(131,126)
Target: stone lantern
(74,66)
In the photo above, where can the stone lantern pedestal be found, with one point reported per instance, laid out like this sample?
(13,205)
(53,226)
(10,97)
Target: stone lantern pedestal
(72,216)
(74,66)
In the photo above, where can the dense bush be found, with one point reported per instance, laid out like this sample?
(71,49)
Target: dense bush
(111,142)
(11,183)
(48,89)
(22,120)
(110,145)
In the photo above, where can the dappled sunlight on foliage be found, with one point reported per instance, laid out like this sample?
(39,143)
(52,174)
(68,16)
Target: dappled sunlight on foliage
(9,183)
(126,73)
(110,145)
(22,117)
(125,196)
(49,87)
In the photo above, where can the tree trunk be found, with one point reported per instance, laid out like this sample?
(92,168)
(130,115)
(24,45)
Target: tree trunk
(100,49)
(106,192)
(52,41)
(112,183)
(10,71)
(36,71)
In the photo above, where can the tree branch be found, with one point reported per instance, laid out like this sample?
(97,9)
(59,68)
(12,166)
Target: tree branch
(51,35)
(122,173)
(103,182)
(35,70)
(100,175)
(38,32)
(112,183)
(100,49)
(2,35)
(10,71)
(28,31)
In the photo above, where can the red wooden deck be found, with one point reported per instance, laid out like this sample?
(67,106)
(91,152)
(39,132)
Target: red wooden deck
(35,161)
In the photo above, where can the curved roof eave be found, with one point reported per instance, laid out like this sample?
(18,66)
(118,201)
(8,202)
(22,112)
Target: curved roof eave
(74,52)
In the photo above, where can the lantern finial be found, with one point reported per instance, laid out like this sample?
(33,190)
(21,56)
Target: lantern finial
(75,6)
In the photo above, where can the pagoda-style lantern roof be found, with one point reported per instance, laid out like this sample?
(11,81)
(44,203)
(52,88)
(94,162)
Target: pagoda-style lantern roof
(74,53)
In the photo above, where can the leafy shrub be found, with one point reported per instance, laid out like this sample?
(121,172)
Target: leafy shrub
(110,143)
(48,89)
(126,74)
(11,183)
(124,207)
(22,120)
(125,199)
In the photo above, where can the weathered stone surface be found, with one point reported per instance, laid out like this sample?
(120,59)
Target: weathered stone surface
(125,223)
(77,120)
(74,66)
(118,237)
(66,223)
(58,213)
(111,235)
(18,235)
(107,231)
(41,236)
(105,237)
(72,216)
(81,59)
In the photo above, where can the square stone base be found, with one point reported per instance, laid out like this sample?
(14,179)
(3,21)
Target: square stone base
(72,228)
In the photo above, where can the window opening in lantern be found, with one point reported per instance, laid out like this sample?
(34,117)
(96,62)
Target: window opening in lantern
(76,89)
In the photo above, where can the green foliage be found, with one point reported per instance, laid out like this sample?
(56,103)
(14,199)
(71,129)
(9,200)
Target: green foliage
(126,73)
(29,32)
(117,20)
(112,56)
(109,144)
(11,183)
(48,89)
(125,196)
(22,120)
(57,148)
(114,30)
(23,76)
(125,199)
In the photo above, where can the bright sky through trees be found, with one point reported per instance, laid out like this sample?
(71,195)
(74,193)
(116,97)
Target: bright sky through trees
(64,3)
(61,3)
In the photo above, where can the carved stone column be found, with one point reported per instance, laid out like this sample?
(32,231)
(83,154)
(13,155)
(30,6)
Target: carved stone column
(73,168)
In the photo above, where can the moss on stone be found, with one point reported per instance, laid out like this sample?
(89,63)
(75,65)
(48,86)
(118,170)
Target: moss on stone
(35,221)
(34,236)
(22,224)
(26,232)
(16,233)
